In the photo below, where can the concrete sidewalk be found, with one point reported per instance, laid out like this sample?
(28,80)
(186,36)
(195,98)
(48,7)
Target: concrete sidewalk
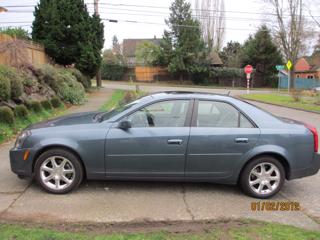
(109,202)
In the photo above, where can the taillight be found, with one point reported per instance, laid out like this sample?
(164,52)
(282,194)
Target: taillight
(314,132)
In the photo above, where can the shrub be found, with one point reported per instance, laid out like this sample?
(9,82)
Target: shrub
(70,90)
(63,83)
(81,78)
(296,95)
(4,86)
(16,86)
(112,71)
(6,115)
(10,83)
(200,74)
(50,75)
(20,111)
(56,102)
(46,104)
(34,106)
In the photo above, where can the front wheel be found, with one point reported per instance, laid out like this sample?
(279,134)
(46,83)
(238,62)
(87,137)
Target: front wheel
(263,177)
(58,171)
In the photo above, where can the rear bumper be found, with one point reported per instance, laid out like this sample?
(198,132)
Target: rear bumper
(310,170)
(18,165)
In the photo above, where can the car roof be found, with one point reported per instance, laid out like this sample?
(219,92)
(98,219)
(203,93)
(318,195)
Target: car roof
(188,95)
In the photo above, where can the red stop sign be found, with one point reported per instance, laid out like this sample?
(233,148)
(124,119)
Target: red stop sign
(248,69)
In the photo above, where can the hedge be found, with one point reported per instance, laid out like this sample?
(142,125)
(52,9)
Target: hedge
(112,71)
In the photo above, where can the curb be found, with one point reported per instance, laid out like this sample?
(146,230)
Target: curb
(279,105)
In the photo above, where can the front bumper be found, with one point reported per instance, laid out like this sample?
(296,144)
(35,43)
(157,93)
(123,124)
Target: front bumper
(312,169)
(20,166)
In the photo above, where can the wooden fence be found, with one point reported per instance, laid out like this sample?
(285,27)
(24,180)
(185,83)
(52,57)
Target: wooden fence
(149,74)
(34,52)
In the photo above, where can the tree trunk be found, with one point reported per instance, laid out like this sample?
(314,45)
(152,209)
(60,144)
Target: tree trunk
(292,78)
(181,77)
(98,78)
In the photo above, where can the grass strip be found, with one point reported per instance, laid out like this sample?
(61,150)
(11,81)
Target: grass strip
(306,103)
(250,230)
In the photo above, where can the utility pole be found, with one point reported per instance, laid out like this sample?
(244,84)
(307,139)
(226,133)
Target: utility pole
(98,75)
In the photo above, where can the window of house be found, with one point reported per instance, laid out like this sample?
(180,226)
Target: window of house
(220,114)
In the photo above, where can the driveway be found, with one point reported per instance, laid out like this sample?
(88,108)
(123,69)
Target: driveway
(137,201)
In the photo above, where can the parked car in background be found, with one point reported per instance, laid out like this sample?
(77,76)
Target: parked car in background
(170,136)
(317,89)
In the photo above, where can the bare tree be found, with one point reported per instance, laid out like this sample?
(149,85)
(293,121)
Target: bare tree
(211,16)
(290,30)
(15,52)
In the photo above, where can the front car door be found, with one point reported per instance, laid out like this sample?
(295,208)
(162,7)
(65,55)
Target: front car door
(219,137)
(156,144)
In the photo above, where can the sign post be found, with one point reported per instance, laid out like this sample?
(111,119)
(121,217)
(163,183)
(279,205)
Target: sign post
(289,65)
(279,68)
(248,70)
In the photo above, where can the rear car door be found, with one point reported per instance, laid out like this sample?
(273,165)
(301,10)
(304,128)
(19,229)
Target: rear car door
(155,145)
(219,137)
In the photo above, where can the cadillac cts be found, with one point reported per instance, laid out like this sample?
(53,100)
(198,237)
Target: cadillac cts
(169,136)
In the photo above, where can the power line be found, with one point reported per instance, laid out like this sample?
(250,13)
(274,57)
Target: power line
(160,7)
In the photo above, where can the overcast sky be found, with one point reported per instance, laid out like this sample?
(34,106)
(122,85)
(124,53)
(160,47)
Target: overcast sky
(239,23)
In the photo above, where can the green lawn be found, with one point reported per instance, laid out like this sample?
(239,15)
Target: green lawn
(228,230)
(120,97)
(8,131)
(116,97)
(306,103)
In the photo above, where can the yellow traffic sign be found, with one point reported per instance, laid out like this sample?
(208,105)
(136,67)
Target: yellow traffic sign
(289,64)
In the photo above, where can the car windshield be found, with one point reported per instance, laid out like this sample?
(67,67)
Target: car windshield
(116,110)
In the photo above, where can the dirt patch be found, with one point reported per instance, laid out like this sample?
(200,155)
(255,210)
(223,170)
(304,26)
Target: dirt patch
(145,226)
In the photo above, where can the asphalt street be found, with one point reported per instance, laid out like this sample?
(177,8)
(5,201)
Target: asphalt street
(139,201)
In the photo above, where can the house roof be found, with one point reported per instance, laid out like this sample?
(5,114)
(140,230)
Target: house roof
(313,61)
(214,58)
(130,45)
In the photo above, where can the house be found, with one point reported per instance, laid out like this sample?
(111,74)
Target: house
(214,59)
(129,47)
(308,66)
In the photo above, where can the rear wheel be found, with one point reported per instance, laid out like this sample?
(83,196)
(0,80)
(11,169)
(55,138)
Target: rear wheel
(58,171)
(263,177)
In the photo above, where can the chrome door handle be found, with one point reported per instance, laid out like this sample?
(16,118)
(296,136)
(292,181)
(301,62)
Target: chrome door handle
(241,140)
(175,141)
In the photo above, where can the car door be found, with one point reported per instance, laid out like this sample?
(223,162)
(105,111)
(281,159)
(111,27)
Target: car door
(220,135)
(155,145)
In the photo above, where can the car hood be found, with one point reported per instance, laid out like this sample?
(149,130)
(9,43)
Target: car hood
(70,119)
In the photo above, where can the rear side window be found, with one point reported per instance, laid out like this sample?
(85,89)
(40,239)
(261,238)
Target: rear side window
(220,115)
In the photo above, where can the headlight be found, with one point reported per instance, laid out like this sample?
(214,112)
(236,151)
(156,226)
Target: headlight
(21,138)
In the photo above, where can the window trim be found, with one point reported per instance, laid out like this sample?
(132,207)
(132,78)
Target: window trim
(196,106)
(189,114)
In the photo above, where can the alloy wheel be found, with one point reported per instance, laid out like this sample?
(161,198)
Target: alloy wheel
(57,173)
(264,178)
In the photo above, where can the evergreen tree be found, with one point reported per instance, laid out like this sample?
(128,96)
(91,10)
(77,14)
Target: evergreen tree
(69,34)
(183,49)
(260,52)
(231,55)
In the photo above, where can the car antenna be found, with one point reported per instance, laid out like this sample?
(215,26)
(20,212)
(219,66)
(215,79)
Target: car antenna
(229,93)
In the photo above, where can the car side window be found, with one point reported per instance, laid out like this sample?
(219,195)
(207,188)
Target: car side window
(220,114)
(162,114)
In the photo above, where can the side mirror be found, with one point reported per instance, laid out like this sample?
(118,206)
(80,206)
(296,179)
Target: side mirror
(125,124)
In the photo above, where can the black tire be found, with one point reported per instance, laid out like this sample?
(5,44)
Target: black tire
(57,152)
(244,177)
